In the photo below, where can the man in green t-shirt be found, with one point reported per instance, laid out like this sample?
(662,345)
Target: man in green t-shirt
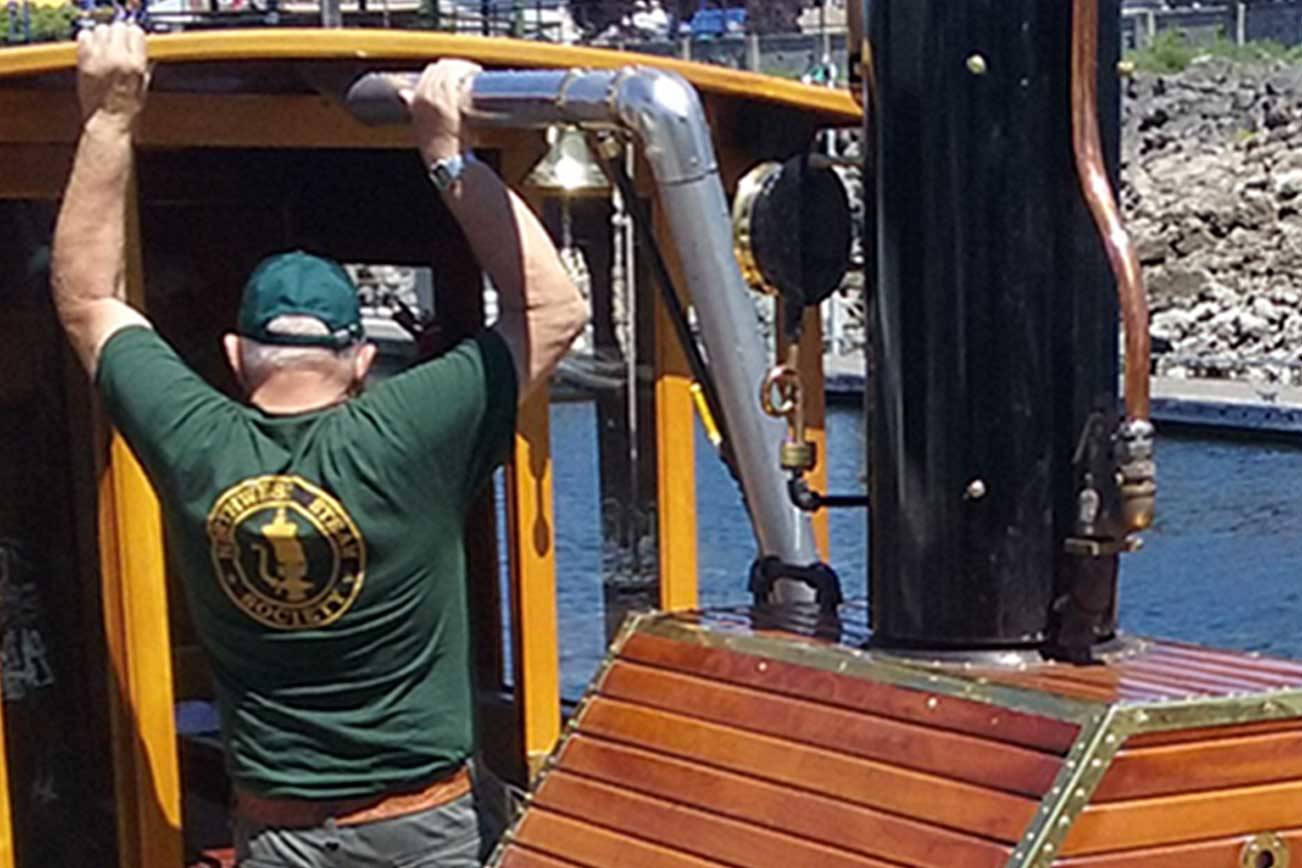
(318,528)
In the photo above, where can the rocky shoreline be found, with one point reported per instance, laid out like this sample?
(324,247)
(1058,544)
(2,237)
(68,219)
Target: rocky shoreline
(1212,190)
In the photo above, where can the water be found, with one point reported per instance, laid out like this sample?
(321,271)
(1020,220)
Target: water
(1222,566)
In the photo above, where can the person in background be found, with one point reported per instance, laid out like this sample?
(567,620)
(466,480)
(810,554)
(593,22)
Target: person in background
(318,528)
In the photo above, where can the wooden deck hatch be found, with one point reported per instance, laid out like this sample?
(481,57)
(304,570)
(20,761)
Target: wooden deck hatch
(708,739)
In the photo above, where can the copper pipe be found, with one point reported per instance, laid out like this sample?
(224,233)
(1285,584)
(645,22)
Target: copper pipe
(1103,204)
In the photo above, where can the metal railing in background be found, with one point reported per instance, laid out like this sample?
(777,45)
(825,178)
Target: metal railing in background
(718,37)
(719,31)
(1240,21)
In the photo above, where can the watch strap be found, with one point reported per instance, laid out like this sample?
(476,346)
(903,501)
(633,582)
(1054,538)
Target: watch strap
(446,171)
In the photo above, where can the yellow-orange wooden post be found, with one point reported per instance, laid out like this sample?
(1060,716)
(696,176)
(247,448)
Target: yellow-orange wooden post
(6,821)
(812,388)
(133,571)
(532,534)
(675,450)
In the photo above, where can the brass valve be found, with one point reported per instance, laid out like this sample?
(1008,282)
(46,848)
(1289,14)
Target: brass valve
(781,396)
(1138,473)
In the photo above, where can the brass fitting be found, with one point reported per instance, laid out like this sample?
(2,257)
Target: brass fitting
(781,396)
(797,456)
(1138,474)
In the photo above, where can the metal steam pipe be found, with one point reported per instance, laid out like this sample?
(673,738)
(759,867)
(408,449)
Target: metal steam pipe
(663,112)
(1103,204)
(1134,448)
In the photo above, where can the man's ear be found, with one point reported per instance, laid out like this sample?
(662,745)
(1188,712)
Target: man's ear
(362,364)
(231,343)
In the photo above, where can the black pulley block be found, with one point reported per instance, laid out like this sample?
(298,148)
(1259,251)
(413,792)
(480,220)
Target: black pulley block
(791,225)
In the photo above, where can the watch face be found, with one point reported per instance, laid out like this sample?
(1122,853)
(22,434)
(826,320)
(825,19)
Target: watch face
(443,175)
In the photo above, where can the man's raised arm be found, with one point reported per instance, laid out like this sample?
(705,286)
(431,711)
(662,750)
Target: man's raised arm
(541,312)
(89,257)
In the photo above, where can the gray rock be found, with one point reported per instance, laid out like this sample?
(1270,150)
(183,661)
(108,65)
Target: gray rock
(1150,247)
(1252,326)
(1225,325)
(1193,240)
(1220,294)
(1284,296)
(1205,310)
(1267,311)
(1176,282)
(1172,324)
(1285,82)
(1288,161)
(1287,184)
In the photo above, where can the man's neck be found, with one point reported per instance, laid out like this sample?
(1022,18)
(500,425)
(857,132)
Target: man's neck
(291,392)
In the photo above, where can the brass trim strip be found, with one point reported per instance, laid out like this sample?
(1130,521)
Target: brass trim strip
(892,671)
(1100,740)
(1206,711)
(1082,770)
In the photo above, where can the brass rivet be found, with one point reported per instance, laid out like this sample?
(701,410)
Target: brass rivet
(976,64)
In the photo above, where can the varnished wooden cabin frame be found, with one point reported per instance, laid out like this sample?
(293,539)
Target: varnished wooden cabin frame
(38,132)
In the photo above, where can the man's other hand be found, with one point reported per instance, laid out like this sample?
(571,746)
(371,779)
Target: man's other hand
(112,71)
(436,104)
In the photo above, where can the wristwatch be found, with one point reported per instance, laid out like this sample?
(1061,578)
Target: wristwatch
(446,171)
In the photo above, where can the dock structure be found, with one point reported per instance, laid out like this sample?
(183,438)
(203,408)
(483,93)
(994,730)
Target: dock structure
(1217,407)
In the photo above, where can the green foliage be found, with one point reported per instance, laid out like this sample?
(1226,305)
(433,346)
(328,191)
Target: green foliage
(43,24)
(1173,51)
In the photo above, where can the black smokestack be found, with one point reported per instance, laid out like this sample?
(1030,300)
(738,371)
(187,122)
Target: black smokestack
(993,364)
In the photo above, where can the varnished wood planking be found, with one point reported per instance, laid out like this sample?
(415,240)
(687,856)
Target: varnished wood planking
(957,756)
(700,832)
(1183,736)
(1198,680)
(1289,672)
(1222,853)
(1173,819)
(864,782)
(1161,672)
(520,857)
(1238,677)
(1063,681)
(832,821)
(594,847)
(1184,768)
(851,692)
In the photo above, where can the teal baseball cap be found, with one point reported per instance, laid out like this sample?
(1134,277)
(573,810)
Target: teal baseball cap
(300,284)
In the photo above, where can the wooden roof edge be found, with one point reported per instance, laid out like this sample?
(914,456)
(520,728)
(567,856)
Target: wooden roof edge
(836,107)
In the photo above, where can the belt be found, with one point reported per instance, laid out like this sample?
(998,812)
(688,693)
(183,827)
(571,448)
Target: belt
(304,813)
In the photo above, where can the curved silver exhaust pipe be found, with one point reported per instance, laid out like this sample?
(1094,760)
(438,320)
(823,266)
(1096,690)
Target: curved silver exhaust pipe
(663,112)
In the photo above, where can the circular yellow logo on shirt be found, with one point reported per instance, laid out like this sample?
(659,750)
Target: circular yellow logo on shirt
(286,552)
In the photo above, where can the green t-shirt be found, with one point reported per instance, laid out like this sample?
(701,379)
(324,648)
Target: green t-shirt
(322,558)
